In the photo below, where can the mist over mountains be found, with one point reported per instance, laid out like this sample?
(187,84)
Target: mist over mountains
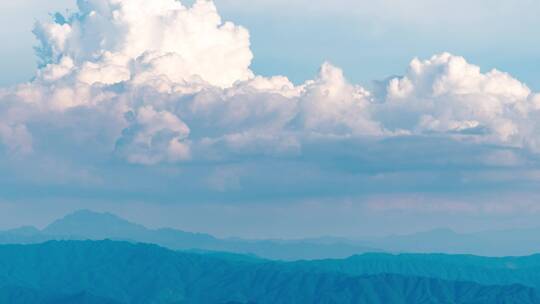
(88,225)
(90,257)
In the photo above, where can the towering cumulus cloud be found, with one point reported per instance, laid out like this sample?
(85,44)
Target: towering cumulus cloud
(110,42)
(168,79)
(158,82)
(446,94)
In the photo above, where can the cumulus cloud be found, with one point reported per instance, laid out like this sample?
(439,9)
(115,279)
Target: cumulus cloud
(330,105)
(446,94)
(16,138)
(154,137)
(158,82)
(183,64)
(104,40)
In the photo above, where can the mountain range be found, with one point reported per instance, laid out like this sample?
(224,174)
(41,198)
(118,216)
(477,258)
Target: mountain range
(90,257)
(88,225)
(65,272)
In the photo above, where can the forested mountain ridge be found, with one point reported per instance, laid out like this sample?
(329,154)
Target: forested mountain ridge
(123,272)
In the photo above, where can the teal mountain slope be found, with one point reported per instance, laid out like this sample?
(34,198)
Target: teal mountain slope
(139,273)
(24,295)
(483,270)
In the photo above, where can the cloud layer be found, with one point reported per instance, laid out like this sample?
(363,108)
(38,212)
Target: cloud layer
(167,89)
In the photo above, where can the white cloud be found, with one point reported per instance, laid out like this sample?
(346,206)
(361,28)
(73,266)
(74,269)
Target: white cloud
(16,138)
(106,37)
(446,94)
(161,83)
(154,137)
(330,105)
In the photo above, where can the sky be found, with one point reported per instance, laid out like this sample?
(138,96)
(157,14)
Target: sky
(371,40)
(280,119)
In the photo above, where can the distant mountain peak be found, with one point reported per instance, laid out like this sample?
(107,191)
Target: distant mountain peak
(94,225)
(89,214)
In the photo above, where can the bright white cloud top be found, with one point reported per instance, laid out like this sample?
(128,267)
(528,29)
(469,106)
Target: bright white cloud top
(156,83)
(447,94)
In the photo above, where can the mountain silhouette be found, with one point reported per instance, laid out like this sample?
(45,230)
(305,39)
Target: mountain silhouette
(89,225)
(121,272)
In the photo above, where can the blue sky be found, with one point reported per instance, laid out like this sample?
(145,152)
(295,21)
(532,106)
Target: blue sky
(176,120)
(374,39)
(371,40)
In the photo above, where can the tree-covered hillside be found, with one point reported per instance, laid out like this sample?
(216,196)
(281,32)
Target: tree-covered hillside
(127,273)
